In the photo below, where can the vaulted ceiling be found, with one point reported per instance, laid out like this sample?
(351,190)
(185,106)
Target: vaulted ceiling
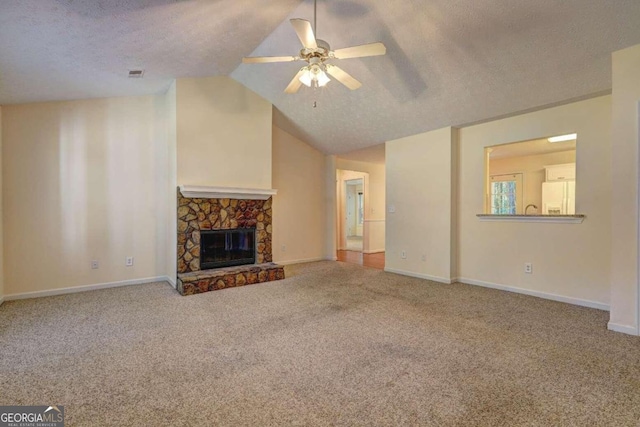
(448,62)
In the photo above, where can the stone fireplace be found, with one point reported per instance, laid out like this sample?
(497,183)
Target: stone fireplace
(211,211)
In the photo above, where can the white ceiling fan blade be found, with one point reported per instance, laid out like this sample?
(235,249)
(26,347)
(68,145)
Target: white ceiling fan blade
(371,49)
(305,33)
(265,59)
(295,83)
(340,75)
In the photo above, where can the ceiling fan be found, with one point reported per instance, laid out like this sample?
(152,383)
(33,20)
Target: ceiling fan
(316,53)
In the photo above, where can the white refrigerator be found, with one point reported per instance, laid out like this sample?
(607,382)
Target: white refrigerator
(559,198)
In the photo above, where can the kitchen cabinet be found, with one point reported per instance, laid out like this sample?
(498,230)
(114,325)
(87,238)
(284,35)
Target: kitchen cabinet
(563,172)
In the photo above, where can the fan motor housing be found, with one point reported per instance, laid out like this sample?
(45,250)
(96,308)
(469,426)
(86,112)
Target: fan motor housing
(322,51)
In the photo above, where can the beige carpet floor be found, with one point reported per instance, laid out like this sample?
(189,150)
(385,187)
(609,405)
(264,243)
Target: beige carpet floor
(333,344)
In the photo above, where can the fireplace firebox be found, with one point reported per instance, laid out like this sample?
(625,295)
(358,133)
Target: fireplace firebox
(225,248)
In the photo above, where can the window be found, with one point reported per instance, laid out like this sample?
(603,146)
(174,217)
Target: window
(506,194)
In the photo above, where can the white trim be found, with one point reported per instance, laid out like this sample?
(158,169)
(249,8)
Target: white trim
(625,329)
(558,219)
(419,275)
(300,261)
(201,192)
(171,281)
(544,295)
(84,288)
(331,258)
(373,251)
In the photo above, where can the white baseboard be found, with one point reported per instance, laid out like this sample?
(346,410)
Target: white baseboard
(84,288)
(545,295)
(331,258)
(172,281)
(625,329)
(419,275)
(300,261)
(373,251)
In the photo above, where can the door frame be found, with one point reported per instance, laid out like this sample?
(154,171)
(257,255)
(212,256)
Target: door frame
(342,176)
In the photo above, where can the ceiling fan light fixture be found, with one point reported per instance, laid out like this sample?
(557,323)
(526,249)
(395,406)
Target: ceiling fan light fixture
(306,78)
(322,79)
(314,75)
(316,52)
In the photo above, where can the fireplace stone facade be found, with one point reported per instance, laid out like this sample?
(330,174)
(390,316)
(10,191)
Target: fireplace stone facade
(200,214)
(228,277)
(220,214)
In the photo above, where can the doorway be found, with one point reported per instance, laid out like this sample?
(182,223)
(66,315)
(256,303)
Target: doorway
(351,214)
(354,214)
(353,222)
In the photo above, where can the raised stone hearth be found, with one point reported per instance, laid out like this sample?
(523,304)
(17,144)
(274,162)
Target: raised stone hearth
(229,277)
(196,214)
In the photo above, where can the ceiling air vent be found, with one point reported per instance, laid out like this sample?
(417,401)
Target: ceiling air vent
(136,74)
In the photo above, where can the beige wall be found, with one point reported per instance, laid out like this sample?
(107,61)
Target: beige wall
(435,182)
(571,261)
(532,169)
(624,251)
(331,207)
(375,195)
(421,187)
(84,180)
(223,134)
(299,207)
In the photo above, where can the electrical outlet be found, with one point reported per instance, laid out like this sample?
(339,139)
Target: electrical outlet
(528,268)
(403,254)
(284,248)
(424,258)
(392,209)
(129,261)
(95,264)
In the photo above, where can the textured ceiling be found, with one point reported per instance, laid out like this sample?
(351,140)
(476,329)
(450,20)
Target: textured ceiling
(71,49)
(448,62)
(373,154)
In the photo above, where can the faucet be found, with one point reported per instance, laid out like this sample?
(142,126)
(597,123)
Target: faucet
(528,206)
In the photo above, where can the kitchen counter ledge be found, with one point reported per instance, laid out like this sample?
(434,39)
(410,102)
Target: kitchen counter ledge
(567,219)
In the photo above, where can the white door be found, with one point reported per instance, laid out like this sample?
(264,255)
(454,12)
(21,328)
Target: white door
(350,214)
(352,209)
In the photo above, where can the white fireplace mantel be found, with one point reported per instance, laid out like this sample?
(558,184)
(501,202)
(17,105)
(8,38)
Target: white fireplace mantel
(202,192)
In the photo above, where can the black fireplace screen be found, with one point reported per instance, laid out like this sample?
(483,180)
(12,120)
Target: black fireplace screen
(224,248)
